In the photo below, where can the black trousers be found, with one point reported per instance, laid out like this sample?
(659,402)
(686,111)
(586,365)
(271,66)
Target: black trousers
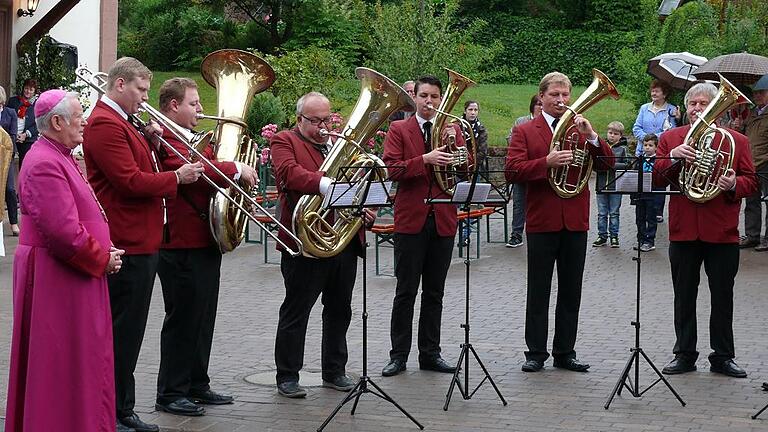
(23,148)
(305,279)
(721,263)
(190,279)
(130,292)
(424,257)
(568,249)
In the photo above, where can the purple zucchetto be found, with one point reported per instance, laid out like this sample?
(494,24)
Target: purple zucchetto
(48,100)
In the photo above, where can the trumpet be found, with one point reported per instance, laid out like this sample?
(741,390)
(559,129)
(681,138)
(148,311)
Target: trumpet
(193,142)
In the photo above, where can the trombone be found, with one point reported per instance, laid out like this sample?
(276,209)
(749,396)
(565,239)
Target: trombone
(196,142)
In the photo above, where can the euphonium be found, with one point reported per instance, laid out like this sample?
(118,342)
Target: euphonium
(237,76)
(714,158)
(379,98)
(569,180)
(463,162)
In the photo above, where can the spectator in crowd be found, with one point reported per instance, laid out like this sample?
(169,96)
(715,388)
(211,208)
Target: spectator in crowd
(756,129)
(408,86)
(9,121)
(608,204)
(24,105)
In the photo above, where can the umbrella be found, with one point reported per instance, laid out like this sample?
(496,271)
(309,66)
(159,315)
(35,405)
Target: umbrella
(741,69)
(675,69)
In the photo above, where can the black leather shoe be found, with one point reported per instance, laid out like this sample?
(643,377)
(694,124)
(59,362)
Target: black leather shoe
(340,383)
(123,428)
(394,367)
(532,365)
(678,365)
(134,422)
(291,389)
(182,407)
(210,397)
(437,364)
(728,367)
(765,386)
(571,364)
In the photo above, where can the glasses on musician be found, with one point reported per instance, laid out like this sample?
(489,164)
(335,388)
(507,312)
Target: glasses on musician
(317,121)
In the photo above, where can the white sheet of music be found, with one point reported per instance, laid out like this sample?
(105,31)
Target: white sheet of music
(626,181)
(348,194)
(479,195)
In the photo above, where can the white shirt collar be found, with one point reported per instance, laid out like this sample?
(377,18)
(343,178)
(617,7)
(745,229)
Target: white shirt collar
(422,120)
(112,104)
(549,120)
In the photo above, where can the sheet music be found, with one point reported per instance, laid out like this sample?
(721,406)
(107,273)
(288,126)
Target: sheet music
(626,181)
(349,194)
(479,195)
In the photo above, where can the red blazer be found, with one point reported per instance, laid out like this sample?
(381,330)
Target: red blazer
(717,220)
(122,173)
(526,162)
(186,228)
(296,163)
(403,151)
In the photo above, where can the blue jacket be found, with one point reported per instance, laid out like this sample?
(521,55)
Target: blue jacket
(8,121)
(647,122)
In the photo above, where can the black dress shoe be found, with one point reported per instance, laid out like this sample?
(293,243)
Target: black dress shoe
(291,389)
(210,397)
(437,364)
(679,365)
(134,422)
(571,364)
(394,367)
(765,386)
(728,367)
(123,428)
(532,365)
(182,407)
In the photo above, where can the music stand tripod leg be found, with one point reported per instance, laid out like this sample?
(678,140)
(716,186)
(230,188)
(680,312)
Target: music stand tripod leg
(455,382)
(487,375)
(759,412)
(662,378)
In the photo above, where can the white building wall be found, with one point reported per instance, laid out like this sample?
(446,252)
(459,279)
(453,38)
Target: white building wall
(80,27)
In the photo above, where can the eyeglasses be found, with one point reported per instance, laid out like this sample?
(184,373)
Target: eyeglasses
(317,121)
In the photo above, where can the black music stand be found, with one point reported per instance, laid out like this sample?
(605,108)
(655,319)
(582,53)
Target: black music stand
(625,381)
(353,194)
(465,203)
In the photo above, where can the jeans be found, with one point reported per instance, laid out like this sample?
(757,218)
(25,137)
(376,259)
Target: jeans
(518,207)
(608,206)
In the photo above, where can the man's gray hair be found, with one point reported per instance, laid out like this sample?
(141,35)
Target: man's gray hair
(409,82)
(699,89)
(302,100)
(62,109)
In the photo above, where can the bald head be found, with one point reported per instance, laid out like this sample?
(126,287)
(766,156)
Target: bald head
(313,111)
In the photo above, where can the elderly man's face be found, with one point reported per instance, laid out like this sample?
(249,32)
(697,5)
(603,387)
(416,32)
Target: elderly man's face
(315,115)
(409,89)
(760,97)
(696,105)
(70,133)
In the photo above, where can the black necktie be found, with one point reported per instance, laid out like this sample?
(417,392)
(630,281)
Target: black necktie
(554,123)
(427,136)
(323,149)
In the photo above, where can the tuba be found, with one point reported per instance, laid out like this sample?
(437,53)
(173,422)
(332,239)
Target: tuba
(379,98)
(463,161)
(6,156)
(237,76)
(714,157)
(569,180)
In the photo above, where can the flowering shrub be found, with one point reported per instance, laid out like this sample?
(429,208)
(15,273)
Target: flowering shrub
(262,141)
(376,143)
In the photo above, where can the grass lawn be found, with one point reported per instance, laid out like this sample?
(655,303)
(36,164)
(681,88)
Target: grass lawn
(500,105)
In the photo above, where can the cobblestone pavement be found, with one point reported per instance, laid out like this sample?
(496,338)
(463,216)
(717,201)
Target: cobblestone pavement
(251,293)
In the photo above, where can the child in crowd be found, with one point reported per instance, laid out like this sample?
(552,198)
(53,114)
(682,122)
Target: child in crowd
(645,207)
(608,204)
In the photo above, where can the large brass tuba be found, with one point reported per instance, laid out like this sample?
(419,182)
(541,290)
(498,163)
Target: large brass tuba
(237,76)
(463,162)
(379,98)
(569,180)
(698,180)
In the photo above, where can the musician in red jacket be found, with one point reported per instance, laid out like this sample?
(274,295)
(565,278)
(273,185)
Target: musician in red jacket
(424,233)
(556,227)
(704,233)
(296,157)
(190,264)
(124,172)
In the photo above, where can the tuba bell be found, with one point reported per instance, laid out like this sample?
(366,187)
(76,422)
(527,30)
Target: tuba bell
(379,98)
(463,162)
(714,157)
(237,76)
(569,180)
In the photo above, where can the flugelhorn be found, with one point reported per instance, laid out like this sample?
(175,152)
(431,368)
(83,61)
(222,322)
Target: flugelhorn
(714,157)
(98,81)
(569,180)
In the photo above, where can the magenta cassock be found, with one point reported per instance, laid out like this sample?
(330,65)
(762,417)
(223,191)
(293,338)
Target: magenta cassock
(61,373)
